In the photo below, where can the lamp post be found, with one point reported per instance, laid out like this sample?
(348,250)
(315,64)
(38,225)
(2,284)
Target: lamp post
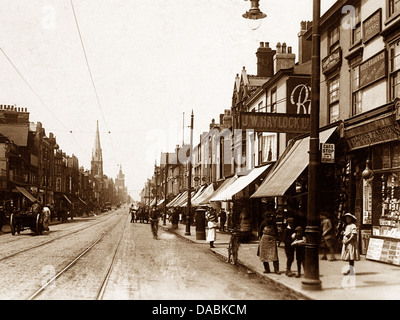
(189,200)
(165,190)
(311,263)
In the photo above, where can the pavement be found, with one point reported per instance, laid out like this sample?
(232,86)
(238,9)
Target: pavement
(372,280)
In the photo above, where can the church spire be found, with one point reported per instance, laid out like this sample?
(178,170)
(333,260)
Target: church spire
(97,155)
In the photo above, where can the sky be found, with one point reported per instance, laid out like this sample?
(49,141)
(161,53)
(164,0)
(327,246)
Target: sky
(148,65)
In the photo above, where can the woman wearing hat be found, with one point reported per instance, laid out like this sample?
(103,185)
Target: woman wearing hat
(350,248)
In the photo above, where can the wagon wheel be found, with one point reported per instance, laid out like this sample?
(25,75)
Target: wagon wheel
(39,226)
(12,224)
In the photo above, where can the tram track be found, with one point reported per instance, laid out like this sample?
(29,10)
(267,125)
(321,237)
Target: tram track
(69,265)
(62,237)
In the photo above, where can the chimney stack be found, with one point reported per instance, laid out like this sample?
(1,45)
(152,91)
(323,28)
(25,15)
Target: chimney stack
(284,58)
(265,60)
(305,46)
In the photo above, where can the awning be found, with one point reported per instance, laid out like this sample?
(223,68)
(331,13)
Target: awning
(160,202)
(288,168)
(208,191)
(153,202)
(221,188)
(26,193)
(241,183)
(185,202)
(177,201)
(194,196)
(174,200)
(66,198)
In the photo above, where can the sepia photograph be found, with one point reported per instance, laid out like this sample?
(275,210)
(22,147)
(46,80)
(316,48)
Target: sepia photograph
(203,157)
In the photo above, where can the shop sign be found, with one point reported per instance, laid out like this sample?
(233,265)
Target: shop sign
(373,69)
(275,122)
(298,98)
(332,61)
(371,133)
(372,26)
(328,153)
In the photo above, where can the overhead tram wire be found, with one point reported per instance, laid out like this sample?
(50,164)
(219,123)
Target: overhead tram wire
(91,76)
(38,97)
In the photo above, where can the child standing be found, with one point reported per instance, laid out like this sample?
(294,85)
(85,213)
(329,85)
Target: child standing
(349,248)
(299,244)
(289,249)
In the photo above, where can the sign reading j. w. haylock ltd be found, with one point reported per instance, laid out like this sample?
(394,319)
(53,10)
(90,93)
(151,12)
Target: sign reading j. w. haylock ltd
(275,122)
(373,69)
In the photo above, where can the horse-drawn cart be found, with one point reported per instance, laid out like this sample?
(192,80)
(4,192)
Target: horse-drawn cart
(26,220)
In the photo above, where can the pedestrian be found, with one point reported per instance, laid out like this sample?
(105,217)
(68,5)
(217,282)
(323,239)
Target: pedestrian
(154,223)
(350,247)
(222,220)
(268,250)
(132,212)
(46,217)
(211,227)
(289,249)
(327,237)
(2,217)
(299,245)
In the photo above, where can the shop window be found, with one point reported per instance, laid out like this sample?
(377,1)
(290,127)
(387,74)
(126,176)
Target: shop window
(333,39)
(394,69)
(394,7)
(333,99)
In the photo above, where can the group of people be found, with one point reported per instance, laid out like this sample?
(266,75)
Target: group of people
(295,241)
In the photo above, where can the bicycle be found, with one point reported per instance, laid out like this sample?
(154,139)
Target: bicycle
(233,247)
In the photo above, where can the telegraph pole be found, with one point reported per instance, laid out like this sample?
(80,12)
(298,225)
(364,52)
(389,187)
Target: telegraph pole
(189,201)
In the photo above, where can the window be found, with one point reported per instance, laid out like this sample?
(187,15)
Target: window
(394,66)
(260,106)
(356,31)
(274,97)
(333,41)
(356,92)
(334,99)
(394,7)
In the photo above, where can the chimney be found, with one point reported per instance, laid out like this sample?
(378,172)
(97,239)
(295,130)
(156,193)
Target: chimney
(305,46)
(284,58)
(265,60)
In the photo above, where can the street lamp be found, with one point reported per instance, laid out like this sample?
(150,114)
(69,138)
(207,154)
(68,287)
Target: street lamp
(311,264)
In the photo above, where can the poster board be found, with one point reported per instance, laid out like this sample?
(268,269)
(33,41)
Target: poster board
(384,250)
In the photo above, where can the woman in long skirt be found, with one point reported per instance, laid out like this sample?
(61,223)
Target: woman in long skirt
(211,228)
(268,234)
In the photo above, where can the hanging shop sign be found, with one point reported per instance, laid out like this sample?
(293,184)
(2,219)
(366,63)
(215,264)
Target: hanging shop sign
(328,153)
(275,122)
(332,62)
(372,26)
(371,133)
(298,97)
(373,69)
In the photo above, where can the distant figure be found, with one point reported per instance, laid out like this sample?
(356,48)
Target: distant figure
(212,226)
(222,220)
(132,212)
(327,237)
(154,223)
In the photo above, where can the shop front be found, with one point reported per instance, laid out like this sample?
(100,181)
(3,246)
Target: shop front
(286,185)
(375,148)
